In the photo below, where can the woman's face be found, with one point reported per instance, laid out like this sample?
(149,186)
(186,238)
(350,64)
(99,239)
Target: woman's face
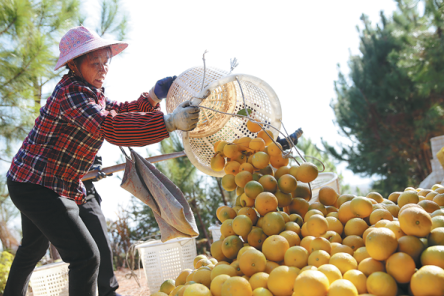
(94,67)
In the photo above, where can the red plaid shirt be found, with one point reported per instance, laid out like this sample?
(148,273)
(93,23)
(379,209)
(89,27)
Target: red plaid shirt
(67,135)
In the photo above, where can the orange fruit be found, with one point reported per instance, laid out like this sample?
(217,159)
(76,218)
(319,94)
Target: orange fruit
(281,171)
(319,243)
(223,269)
(341,249)
(414,221)
(317,225)
(431,195)
(270,266)
(216,251)
(358,279)
(298,206)
(381,243)
(267,136)
(273,223)
(285,216)
(293,226)
(265,202)
(394,196)
(232,167)
(342,287)
(256,145)
(241,159)
(436,237)
(345,213)
(353,241)
(231,150)
(437,222)
(243,143)
(376,196)
(231,246)
(381,283)
(225,212)
(181,278)
(331,272)
(242,178)
(306,241)
(217,163)
(429,206)
(284,199)
(408,197)
(311,282)
(332,237)
(242,225)
(344,198)
(274,247)
(260,160)
(287,183)
(250,213)
(380,214)
(428,280)
(296,256)
(393,209)
(246,167)
(269,183)
(302,191)
(412,246)
(268,170)
(335,225)
(355,226)
(343,262)
(281,280)
(216,284)
(256,237)
(259,280)
(245,201)
(433,256)
(401,267)
(361,207)
(253,127)
(279,161)
(327,196)
(360,254)
(318,206)
(307,172)
(252,261)
(292,237)
(236,286)
(370,265)
(235,264)
(396,228)
(197,289)
(311,213)
(274,149)
(439,199)
(228,183)
(318,258)
(253,188)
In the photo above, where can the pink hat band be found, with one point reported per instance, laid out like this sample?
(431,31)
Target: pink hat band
(79,41)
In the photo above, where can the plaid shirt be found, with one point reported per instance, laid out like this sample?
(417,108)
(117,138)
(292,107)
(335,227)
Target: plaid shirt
(71,128)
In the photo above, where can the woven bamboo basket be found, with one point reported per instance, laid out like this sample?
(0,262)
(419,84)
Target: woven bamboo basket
(216,89)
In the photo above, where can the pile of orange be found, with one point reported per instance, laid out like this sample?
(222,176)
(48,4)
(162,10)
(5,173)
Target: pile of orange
(279,240)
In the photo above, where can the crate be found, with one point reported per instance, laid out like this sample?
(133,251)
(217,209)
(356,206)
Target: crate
(437,144)
(215,232)
(50,280)
(324,179)
(162,261)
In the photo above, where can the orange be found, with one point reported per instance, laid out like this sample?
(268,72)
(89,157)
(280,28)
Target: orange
(381,243)
(360,254)
(216,284)
(394,196)
(181,278)
(296,256)
(223,269)
(381,283)
(273,223)
(307,172)
(382,223)
(216,251)
(370,265)
(436,237)
(279,161)
(433,256)
(355,226)
(232,167)
(197,290)
(226,229)
(250,213)
(415,222)
(236,286)
(439,199)
(376,196)
(270,266)
(361,207)
(343,262)
(256,237)
(380,214)
(431,195)
(335,225)
(241,159)
(203,262)
(253,127)
(243,143)
(268,170)
(439,212)
(302,191)
(231,150)
(284,199)
(260,160)
(312,212)
(296,218)
(245,201)
(319,243)
(408,197)
(318,206)
(393,209)
(327,196)
(437,222)
(257,144)
(225,212)
(203,276)
(331,209)
(242,225)
(428,280)
(318,258)
(331,272)
(293,170)
(267,136)
(287,183)
(235,264)
(298,206)
(358,279)
(353,241)
(269,183)
(228,182)
(246,167)
(281,171)
(293,226)
(198,258)
(274,149)
(341,249)
(281,280)
(396,228)
(306,241)
(253,188)
(342,287)
(217,163)
(412,246)
(407,206)
(332,237)
(265,202)
(285,216)
(239,190)
(242,178)
(252,261)
(317,225)
(274,247)
(345,213)
(231,246)
(292,237)
(344,198)
(311,282)
(401,267)
(259,280)
(429,206)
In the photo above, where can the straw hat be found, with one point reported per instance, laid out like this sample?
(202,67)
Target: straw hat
(79,41)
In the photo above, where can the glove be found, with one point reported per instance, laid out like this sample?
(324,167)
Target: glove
(293,137)
(100,175)
(184,118)
(161,88)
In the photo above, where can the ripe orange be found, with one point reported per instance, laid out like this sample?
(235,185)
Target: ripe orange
(331,272)
(412,246)
(339,248)
(319,243)
(267,136)
(342,287)
(355,226)
(353,241)
(414,221)
(436,237)
(228,183)
(225,212)
(408,197)
(259,280)
(401,267)
(318,258)
(231,150)
(245,201)
(433,256)
(281,280)
(243,143)
(358,279)
(307,172)
(298,206)
(269,183)
(361,207)
(231,246)
(318,206)
(380,214)
(345,213)
(317,225)
(332,237)
(335,225)
(274,247)
(265,202)
(302,191)
(394,196)
(242,225)
(273,223)
(328,196)
(246,167)
(439,199)
(236,285)
(257,144)
(242,178)
(278,161)
(281,171)
(370,265)
(253,188)
(287,183)
(216,251)
(428,280)
(296,256)
(381,243)
(381,283)
(376,196)
(217,163)
(252,261)
(311,282)
(343,262)
(360,254)
(260,159)
(232,167)
(274,149)
(284,199)
(253,127)
(292,237)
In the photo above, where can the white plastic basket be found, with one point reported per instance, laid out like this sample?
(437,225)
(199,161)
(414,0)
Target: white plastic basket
(437,143)
(50,280)
(437,168)
(162,261)
(215,232)
(324,179)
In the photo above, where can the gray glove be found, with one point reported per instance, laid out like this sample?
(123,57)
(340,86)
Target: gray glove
(184,118)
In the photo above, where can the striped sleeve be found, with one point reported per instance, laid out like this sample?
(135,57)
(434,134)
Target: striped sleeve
(136,129)
(142,104)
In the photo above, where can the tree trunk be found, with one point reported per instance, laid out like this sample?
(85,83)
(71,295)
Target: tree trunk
(221,191)
(204,228)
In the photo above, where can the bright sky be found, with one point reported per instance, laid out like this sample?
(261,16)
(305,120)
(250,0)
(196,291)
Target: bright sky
(294,46)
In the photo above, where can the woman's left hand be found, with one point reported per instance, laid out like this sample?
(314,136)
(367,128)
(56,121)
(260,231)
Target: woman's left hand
(163,86)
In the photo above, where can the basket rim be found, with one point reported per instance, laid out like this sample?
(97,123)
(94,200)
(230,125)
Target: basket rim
(159,242)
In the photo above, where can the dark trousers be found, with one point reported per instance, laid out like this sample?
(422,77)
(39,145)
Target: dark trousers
(49,217)
(93,217)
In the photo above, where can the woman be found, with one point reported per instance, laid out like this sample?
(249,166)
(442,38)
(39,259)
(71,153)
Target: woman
(44,180)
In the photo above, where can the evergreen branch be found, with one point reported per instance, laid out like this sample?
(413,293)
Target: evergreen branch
(9,26)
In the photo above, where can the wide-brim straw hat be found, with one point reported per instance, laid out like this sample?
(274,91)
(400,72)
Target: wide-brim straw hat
(79,41)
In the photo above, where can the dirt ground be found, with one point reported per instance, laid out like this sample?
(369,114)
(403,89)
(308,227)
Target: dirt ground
(128,285)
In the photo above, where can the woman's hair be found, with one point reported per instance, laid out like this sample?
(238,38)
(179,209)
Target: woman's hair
(79,60)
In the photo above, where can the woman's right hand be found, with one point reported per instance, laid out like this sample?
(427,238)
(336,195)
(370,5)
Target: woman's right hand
(184,118)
